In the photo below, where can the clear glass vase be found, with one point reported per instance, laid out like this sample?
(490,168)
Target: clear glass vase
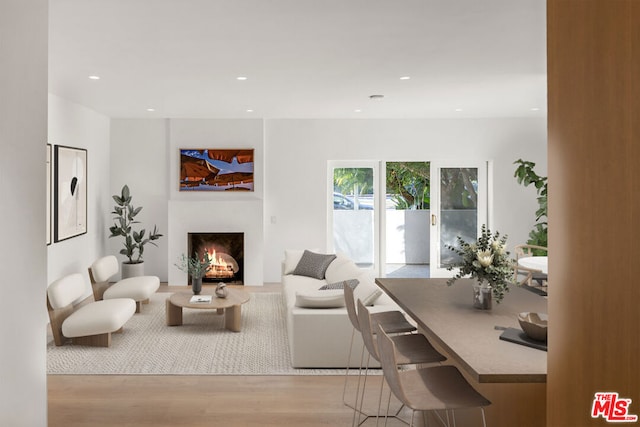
(482,296)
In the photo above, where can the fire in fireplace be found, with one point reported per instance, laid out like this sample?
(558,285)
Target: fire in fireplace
(226,251)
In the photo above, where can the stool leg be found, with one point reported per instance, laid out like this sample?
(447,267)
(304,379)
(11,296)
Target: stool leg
(346,374)
(364,386)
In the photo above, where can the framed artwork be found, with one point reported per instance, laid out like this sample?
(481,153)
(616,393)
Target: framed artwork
(216,170)
(70,192)
(48,226)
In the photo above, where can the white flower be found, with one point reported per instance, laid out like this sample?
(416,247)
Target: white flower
(485,258)
(497,247)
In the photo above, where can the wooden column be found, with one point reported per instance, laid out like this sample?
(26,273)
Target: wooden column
(594,206)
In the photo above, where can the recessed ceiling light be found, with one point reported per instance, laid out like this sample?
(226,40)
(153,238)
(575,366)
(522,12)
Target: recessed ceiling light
(357,111)
(94,77)
(151,110)
(405,78)
(535,109)
(249,111)
(241,78)
(458,109)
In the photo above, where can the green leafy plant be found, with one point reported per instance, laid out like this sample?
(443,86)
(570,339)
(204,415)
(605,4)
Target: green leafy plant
(124,218)
(486,260)
(409,184)
(526,175)
(195,266)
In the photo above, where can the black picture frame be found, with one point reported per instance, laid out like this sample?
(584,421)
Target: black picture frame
(70,192)
(49,192)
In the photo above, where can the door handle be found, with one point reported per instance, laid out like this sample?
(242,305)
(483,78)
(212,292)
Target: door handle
(433,219)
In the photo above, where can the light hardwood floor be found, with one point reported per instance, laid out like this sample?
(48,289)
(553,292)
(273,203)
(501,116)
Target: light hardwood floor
(229,401)
(225,401)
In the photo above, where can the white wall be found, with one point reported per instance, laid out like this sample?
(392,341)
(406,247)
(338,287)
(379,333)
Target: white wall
(74,125)
(217,211)
(145,155)
(139,159)
(297,152)
(288,208)
(23,256)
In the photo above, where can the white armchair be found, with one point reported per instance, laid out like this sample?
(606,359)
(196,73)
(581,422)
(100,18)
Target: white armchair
(91,323)
(138,288)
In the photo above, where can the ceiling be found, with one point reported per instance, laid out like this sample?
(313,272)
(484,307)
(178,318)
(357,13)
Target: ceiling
(301,58)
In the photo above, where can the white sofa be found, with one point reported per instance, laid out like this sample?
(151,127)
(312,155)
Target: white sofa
(320,337)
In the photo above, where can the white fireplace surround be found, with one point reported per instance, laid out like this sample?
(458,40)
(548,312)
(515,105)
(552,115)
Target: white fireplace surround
(227,217)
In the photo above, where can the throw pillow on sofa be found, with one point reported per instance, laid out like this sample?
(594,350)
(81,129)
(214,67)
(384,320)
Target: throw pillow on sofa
(367,291)
(342,268)
(340,285)
(320,299)
(313,265)
(292,258)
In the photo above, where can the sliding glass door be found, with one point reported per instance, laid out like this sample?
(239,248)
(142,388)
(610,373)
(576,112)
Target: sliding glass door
(353,215)
(405,219)
(398,218)
(458,208)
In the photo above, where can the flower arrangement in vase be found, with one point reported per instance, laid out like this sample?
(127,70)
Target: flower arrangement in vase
(487,261)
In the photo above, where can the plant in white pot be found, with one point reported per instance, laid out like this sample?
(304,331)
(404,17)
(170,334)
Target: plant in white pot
(134,241)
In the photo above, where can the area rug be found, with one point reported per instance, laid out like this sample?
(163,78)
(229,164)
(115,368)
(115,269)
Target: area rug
(201,346)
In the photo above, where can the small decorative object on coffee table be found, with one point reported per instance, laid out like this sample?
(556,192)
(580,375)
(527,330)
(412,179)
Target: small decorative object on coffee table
(487,261)
(230,306)
(221,290)
(196,267)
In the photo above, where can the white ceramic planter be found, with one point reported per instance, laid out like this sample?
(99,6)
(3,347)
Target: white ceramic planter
(132,270)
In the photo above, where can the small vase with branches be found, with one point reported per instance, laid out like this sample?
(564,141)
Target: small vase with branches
(196,267)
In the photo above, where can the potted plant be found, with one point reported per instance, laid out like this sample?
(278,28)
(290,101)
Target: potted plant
(487,261)
(525,175)
(134,241)
(195,267)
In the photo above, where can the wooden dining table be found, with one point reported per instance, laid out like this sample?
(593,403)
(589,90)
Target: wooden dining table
(511,375)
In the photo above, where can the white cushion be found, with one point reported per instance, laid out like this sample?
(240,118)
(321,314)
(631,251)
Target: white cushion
(367,291)
(98,317)
(137,288)
(372,298)
(320,299)
(342,268)
(66,290)
(102,269)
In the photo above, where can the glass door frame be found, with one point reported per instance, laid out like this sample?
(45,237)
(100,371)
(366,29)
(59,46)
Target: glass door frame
(484,197)
(485,201)
(375,166)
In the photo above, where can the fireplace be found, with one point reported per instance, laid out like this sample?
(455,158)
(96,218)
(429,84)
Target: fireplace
(226,251)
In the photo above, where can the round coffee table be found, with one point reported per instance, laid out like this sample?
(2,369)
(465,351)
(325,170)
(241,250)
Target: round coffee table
(231,306)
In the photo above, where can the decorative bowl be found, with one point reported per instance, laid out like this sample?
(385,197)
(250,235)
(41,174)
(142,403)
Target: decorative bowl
(534,325)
